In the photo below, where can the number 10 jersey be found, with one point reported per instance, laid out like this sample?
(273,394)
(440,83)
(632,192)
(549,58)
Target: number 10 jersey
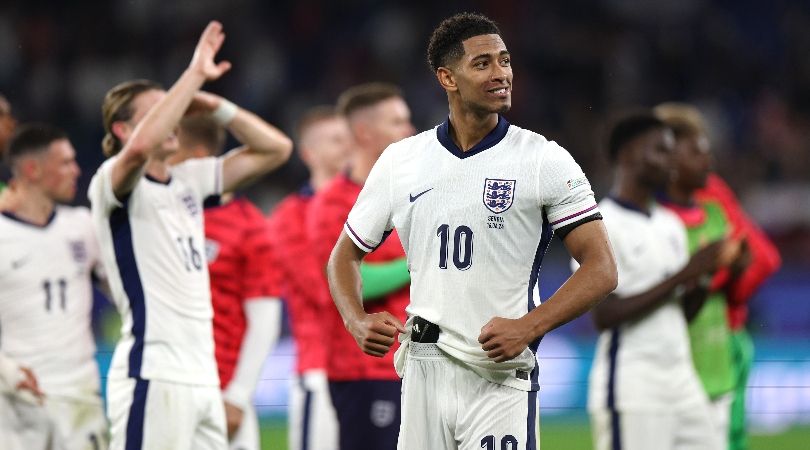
(475,226)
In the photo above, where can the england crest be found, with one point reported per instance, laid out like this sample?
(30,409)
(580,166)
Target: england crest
(78,251)
(498,194)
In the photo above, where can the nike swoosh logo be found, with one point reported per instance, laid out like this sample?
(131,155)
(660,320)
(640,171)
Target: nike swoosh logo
(414,197)
(19,263)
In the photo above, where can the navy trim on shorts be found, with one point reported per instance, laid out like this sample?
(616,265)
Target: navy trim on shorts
(136,415)
(121,229)
(615,428)
(531,422)
(307,411)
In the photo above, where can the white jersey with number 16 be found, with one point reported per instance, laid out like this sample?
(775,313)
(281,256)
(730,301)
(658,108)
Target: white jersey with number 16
(153,247)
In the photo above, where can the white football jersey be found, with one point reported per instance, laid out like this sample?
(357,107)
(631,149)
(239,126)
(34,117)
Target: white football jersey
(46,299)
(475,226)
(153,248)
(645,365)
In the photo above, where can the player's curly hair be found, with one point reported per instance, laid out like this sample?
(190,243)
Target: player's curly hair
(628,126)
(446,42)
(117,106)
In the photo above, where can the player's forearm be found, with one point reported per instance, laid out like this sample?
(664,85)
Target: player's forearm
(261,138)
(588,285)
(163,118)
(345,284)
(263,328)
(265,148)
(615,310)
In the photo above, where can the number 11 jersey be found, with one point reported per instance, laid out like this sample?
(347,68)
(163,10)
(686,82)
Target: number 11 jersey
(475,226)
(153,248)
(46,298)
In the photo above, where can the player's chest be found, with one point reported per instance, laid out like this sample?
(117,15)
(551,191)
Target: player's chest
(172,204)
(491,192)
(52,257)
(653,246)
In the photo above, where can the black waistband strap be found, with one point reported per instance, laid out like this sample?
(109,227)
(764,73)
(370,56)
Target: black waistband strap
(424,332)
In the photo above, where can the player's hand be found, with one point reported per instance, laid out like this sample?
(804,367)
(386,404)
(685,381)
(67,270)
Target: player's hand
(203,103)
(743,259)
(209,44)
(29,383)
(504,339)
(706,260)
(375,333)
(233,418)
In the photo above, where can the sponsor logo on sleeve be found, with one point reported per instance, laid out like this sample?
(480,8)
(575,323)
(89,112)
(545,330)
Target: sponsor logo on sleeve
(577,182)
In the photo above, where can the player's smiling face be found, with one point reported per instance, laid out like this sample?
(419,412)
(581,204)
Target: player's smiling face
(484,74)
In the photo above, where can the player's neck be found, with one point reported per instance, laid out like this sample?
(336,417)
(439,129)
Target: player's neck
(28,204)
(468,128)
(318,179)
(679,195)
(361,165)
(158,169)
(629,191)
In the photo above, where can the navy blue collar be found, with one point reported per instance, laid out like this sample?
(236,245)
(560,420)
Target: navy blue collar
(155,180)
(15,218)
(490,140)
(631,206)
(306,191)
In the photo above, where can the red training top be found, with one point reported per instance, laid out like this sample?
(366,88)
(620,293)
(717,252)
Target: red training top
(301,278)
(345,360)
(239,262)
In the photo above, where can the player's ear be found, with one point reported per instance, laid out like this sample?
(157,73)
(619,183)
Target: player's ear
(446,78)
(29,168)
(121,130)
(361,131)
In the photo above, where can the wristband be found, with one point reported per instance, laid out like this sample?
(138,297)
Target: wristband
(225,112)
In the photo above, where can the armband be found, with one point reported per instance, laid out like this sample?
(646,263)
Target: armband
(225,112)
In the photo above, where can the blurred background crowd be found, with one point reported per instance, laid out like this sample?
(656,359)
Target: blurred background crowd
(744,63)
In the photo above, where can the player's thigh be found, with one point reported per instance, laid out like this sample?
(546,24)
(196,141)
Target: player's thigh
(368,413)
(428,398)
(247,436)
(646,430)
(210,430)
(721,414)
(81,424)
(696,429)
(146,414)
(494,416)
(24,425)
(313,423)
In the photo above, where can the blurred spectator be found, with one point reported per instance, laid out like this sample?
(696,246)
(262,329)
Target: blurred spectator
(7,125)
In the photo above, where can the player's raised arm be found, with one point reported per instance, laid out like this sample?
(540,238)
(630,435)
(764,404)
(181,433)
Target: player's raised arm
(161,120)
(265,146)
(374,333)
(588,244)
